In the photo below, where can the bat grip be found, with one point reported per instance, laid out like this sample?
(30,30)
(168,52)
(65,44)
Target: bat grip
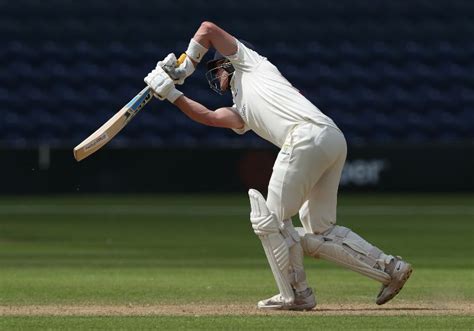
(181,59)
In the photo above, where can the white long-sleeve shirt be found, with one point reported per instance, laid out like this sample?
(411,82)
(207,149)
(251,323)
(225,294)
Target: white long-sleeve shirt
(266,101)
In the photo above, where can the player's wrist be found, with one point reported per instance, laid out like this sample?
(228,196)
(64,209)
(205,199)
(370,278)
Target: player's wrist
(173,95)
(196,51)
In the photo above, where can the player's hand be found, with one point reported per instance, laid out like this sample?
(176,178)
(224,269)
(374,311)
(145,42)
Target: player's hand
(162,85)
(179,69)
(184,67)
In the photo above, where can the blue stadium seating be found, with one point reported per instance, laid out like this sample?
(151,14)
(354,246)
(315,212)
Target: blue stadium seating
(386,72)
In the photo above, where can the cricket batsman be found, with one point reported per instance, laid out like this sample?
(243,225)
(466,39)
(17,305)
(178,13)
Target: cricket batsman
(306,173)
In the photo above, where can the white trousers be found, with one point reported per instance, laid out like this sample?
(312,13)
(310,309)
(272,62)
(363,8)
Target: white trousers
(306,176)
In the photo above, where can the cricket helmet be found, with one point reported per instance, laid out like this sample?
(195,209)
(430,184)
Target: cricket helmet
(218,62)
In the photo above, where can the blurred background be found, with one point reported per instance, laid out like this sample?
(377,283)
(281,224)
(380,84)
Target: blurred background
(396,76)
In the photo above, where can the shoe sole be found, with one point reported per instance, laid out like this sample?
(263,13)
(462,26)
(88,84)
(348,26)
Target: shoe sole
(306,307)
(402,281)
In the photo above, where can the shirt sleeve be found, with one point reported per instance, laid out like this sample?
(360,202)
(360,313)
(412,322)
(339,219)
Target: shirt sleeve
(242,130)
(245,59)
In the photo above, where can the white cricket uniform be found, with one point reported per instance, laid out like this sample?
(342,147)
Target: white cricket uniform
(308,168)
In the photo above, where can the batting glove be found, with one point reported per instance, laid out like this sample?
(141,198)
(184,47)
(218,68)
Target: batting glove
(162,85)
(184,67)
(178,71)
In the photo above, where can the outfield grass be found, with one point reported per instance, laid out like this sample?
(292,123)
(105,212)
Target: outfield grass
(177,250)
(239,323)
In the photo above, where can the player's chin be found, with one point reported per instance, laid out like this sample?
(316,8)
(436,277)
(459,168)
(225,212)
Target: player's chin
(224,86)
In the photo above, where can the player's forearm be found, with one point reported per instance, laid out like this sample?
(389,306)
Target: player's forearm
(210,35)
(206,36)
(194,110)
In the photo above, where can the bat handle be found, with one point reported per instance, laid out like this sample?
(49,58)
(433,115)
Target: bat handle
(181,59)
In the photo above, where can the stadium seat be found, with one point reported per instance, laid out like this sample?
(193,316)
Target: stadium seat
(386,72)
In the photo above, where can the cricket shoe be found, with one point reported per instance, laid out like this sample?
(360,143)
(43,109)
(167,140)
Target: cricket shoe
(400,271)
(304,300)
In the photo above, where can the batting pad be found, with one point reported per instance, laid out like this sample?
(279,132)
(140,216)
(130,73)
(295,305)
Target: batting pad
(266,227)
(344,247)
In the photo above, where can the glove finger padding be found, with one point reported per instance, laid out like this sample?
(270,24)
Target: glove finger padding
(181,72)
(160,83)
(168,62)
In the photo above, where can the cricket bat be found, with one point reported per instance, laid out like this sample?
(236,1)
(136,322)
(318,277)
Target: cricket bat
(113,126)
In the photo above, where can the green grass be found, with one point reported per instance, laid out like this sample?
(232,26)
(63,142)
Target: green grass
(178,249)
(239,323)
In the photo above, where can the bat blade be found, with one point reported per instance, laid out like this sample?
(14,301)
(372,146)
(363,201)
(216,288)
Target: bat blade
(109,129)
